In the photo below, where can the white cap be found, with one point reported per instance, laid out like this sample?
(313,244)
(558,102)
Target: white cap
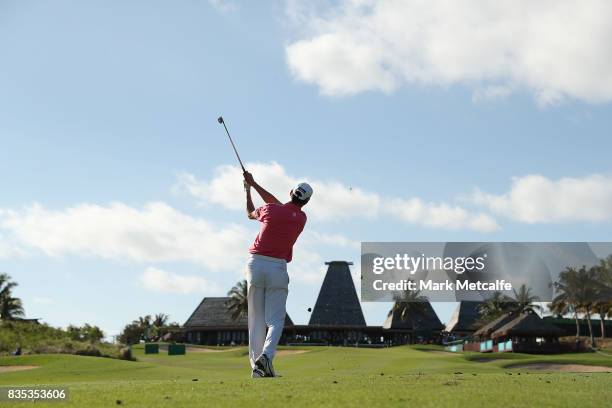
(302,192)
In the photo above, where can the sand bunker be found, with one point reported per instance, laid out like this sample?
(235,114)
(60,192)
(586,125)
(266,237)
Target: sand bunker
(290,352)
(566,368)
(483,359)
(10,369)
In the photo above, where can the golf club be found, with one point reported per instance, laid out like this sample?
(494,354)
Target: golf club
(220,120)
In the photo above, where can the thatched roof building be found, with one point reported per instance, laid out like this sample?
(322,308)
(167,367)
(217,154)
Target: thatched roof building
(337,304)
(527,325)
(212,313)
(425,320)
(336,319)
(421,323)
(485,331)
(211,323)
(465,318)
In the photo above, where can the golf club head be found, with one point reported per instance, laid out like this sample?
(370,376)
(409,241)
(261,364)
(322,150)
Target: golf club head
(220,119)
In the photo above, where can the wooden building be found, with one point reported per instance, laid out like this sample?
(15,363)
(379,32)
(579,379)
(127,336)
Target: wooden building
(465,319)
(481,339)
(421,324)
(568,325)
(211,323)
(336,319)
(528,333)
(484,333)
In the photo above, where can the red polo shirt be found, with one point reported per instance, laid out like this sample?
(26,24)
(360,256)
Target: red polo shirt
(281,226)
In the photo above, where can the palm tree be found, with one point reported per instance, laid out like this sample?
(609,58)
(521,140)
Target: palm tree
(144,321)
(603,304)
(603,309)
(159,325)
(494,307)
(410,303)
(588,291)
(524,300)
(560,307)
(238,303)
(580,289)
(6,285)
(145,325)
(606,271)
(566,299)
(10,307)
(160,320)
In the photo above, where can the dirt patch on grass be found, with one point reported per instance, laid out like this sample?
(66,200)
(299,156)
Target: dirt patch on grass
(290,352)
(213,350)
(10,369)
(566,368)
(208,350)
(483,359)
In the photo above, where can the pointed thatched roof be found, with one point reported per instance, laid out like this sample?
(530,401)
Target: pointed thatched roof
(528,325)
(486,330)
(212,312)
(337,303)
(465,318)
(425,320)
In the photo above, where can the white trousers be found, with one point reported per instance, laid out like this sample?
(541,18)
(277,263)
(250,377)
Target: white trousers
(268,286)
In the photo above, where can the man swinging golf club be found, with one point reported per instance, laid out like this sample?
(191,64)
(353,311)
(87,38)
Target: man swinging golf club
(267,277)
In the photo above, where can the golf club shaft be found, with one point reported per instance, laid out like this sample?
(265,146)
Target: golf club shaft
(233,146)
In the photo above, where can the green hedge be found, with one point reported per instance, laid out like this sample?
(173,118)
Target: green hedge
(44,339)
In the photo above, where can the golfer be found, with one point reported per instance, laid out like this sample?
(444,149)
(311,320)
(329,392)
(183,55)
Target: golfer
(267,278)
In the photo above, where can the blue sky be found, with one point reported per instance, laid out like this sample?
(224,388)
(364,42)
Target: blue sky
(107,107)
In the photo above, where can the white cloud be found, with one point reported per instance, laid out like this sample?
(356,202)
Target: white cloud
(336,240)
(554,48)
(537,199)
(332,200)
(440,215)
(308,266)
(155,233)
(338,201)
(158,280)
(491,93)
(9,249)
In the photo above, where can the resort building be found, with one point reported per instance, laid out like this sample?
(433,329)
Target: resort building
(528,333)
(523,333)
(464,321)
(211,324)
(336,319)
(568,326)
(420,323)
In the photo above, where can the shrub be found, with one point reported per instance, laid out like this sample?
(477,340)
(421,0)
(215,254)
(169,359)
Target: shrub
(126,354)
(89,351)
(43,339)
(132,333)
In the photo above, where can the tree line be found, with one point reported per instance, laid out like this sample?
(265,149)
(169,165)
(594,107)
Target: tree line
(147,328)
(579,292)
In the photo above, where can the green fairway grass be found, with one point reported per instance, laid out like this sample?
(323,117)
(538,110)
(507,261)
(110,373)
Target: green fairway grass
(321,376)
